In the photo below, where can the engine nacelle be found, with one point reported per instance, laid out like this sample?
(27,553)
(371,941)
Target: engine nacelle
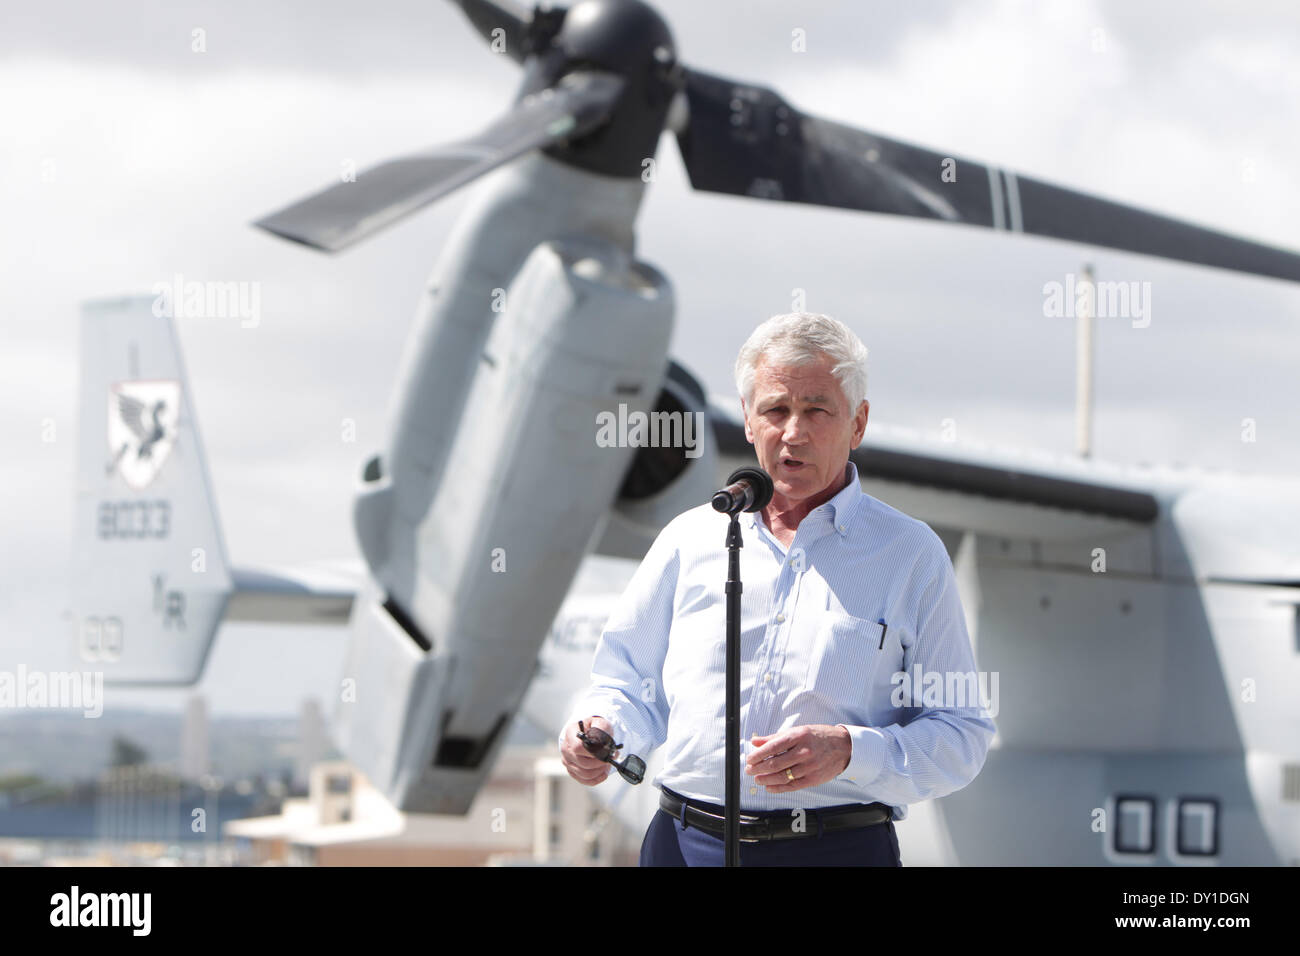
(433,678)
(675,467)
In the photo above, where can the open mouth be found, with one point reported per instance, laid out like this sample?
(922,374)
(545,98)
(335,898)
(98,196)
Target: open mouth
(793,464)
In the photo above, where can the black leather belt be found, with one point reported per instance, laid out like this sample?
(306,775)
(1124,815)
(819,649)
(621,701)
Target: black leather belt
(773,824)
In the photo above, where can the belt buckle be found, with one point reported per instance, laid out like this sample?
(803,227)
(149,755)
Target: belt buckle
(759,828)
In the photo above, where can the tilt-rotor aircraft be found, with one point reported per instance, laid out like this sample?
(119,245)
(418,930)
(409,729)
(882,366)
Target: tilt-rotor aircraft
(1160,696)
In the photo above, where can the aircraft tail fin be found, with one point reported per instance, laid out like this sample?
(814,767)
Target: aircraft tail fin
(150,578)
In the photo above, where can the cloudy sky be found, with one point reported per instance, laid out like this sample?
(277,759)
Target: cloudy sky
(129,158)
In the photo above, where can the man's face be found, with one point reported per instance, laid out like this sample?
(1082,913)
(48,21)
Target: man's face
(802,428)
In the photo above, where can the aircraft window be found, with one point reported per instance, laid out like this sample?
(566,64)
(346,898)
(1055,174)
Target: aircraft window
(1135,830)
(1291,782)
(1198,826)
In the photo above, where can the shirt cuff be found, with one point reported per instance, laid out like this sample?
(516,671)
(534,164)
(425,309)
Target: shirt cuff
(867,760)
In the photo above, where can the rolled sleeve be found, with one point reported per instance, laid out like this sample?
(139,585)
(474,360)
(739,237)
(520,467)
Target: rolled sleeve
(634,742)
(627,670)
(870,749)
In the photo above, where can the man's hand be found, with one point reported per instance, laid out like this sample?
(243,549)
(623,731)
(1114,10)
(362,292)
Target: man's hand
(814,753)
(582,766)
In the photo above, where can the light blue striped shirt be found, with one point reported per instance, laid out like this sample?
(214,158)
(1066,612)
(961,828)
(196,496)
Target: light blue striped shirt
(863,593)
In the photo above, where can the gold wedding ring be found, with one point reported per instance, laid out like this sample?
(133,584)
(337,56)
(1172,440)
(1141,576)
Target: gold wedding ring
(789,774)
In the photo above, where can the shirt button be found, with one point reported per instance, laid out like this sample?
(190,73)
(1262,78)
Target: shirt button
(753,789)
(841,527)
(767,677)
(780,618)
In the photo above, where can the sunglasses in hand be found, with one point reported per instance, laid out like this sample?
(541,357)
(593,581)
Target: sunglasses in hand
(601,746)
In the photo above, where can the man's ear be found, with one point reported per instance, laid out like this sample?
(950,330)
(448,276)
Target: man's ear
(860,422)
(744,415)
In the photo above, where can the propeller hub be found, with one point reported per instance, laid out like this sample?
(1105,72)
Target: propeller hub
(631,39)
(616,35)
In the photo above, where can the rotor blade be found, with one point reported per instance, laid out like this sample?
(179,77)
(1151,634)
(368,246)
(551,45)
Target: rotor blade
(746,140)
(511,18)
(347,212)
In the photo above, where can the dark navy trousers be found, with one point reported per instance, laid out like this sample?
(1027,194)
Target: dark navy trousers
(668,843)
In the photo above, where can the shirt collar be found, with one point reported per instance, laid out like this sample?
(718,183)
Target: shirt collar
(839,510)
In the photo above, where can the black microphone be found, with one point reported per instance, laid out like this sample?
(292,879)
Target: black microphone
(748,489)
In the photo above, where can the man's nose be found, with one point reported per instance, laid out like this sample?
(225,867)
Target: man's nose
(795,429)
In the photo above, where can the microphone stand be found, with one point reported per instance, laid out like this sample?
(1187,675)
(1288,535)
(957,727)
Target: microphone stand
(748,489)
(731,826)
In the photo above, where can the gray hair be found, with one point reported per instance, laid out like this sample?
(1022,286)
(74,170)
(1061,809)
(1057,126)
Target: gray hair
(799,338)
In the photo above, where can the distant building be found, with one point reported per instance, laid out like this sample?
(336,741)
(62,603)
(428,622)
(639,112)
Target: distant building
(313,742)
(195,760)
(141,802)
(526,814)
(571,827)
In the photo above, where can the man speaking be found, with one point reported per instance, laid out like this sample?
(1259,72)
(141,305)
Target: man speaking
(841,592)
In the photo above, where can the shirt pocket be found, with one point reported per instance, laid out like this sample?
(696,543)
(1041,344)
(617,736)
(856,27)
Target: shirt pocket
(844,659)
